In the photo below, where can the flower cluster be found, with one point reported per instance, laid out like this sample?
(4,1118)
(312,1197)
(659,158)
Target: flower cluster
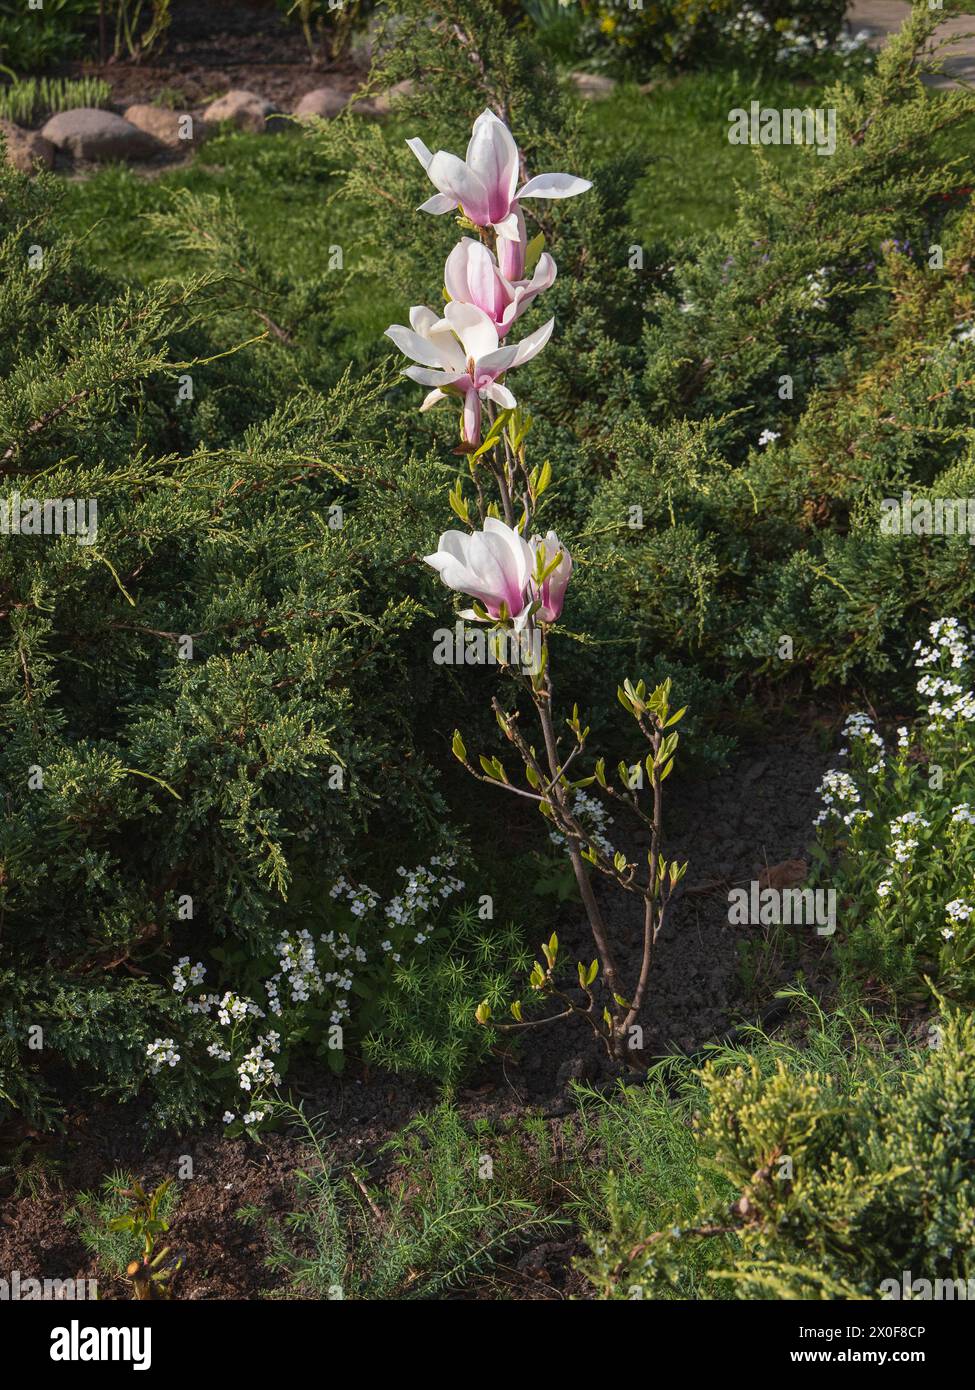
(859,729)
(958,912)
(420,891)
(162,1053)
(299,970)
(360,899)
(909,869)
(462,355)
(509,577)
(841,798)
(185,974)
(951,649)
(749,29)
(949,637)
(306,969)
(902,840)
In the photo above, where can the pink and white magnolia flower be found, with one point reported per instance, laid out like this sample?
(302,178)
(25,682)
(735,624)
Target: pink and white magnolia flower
(493,566)
(471,276)
(512,251)
(485,184)
(460,354)
(550,594)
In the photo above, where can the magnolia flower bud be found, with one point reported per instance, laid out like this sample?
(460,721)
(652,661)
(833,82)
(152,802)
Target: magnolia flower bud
(550,592)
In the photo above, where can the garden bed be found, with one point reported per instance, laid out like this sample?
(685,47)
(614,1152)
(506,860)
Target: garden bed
(356,941)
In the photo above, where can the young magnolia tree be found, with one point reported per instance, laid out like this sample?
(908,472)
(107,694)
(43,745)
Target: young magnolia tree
(517,577)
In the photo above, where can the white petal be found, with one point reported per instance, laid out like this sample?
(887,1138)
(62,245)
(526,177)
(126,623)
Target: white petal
(455,274)
(456,544)
(511,548)
(471,276)
(422,319)
(545,273)
(452,356)
(420,150)
(474,328)
(532,345)
(500,361)
(426,376)
(438,204)
(433,398)
(526,290)
(500,395)
(509,228)
(455,180)
(414,345)
(554,186)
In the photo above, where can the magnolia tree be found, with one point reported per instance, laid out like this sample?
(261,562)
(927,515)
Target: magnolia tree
(517,578)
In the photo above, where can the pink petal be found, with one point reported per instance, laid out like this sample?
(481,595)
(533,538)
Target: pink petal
(493,156)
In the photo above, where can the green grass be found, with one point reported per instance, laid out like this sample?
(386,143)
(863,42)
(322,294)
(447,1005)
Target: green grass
(31,101)
(279,192)
(459,1199)
(281,189)
(682,124)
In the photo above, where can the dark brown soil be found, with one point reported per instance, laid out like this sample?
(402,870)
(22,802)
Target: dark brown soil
(214,45)
(729,826)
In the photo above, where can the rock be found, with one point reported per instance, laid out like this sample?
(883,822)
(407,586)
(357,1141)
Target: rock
(382,103)
(593,85)
(243,109)
(25,149)
(177,130)
(323,101)
(88,133)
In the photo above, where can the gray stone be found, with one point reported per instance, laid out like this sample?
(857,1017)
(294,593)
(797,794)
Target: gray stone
(323,101)
(594,86)
(383,102)
(177,130)
(243,109)
(88,133)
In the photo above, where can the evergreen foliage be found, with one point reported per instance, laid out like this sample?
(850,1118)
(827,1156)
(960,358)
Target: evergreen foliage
(139,771)
(822,1172)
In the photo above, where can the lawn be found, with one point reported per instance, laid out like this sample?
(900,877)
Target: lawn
(281,191)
